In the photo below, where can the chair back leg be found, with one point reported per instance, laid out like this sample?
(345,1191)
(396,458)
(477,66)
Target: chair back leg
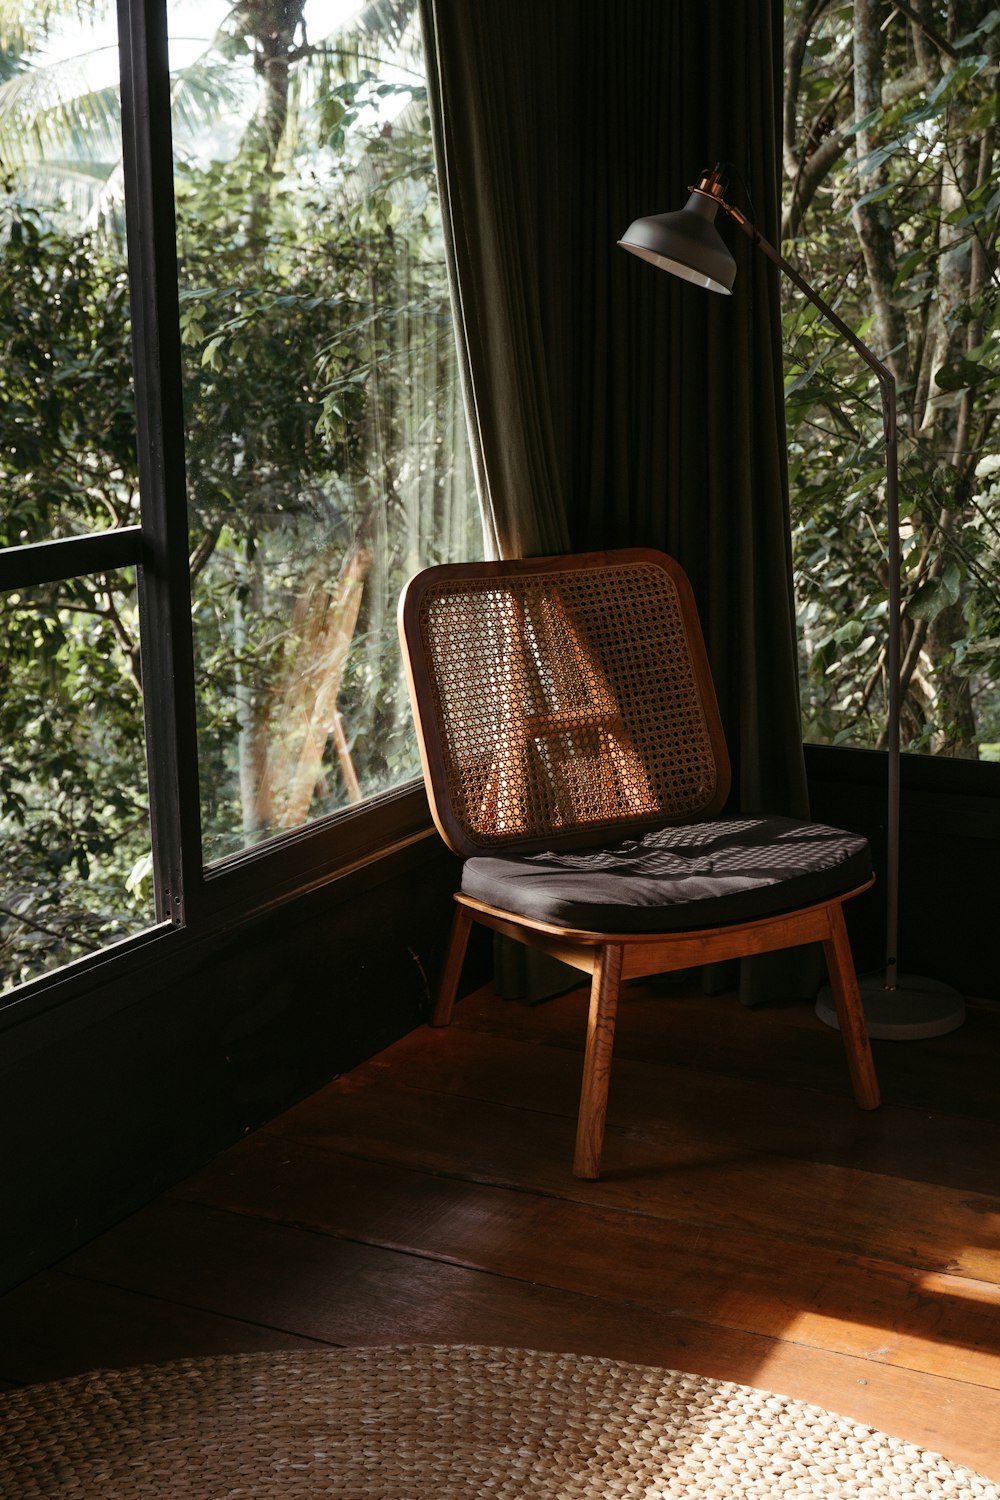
(850,1012)
(604,989)
(454,957)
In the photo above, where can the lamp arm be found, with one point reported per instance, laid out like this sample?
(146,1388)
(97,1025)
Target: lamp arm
(887,388)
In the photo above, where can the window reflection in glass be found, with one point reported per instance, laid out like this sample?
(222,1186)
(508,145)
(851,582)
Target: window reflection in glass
(326,449)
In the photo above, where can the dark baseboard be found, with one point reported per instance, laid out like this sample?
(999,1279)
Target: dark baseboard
(111,1098)
(949,860)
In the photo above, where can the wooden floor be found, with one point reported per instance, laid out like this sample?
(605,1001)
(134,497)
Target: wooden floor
(751,1224)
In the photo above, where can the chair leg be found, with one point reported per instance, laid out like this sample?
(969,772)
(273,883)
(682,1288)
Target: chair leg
(452,972)
(597,1062)
(850,1012)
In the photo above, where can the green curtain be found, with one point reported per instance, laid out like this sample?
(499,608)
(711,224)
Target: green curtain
(611,404)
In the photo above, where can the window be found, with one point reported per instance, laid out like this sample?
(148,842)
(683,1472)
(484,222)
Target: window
(293,430)
(892,211)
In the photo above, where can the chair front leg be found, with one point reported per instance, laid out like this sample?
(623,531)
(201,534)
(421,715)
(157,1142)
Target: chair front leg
(452,972)
(850,1012)
(604,989)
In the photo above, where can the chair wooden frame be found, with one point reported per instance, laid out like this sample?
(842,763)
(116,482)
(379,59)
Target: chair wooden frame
(613,959)
(609,958)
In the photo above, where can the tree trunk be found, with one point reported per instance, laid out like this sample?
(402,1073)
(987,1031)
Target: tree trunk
(251,714)
(958,736)
(306,716)
(871,220)
(273,26)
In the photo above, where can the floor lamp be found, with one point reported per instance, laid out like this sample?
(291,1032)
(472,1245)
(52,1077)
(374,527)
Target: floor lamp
(688,244)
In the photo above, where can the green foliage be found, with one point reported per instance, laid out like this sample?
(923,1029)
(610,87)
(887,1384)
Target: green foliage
(72,799)
(317,343)
(893,212)
(67,419)
(325,461)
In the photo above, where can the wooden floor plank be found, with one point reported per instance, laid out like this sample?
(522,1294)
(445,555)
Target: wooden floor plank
(702,1106)
(348,1293)
(751,1224)
(657,1161)
(57,1325)
(757,1284)
(771,1043)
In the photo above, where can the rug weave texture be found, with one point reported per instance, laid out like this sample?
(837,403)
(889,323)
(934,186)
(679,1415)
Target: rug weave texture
(439,1423)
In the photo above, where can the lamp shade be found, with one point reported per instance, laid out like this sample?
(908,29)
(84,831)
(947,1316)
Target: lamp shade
(686,243)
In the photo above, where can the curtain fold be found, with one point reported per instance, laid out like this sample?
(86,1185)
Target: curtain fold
(488,100)
(611,404)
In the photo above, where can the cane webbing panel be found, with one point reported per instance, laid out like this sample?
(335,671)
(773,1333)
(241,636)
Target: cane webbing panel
(564,704)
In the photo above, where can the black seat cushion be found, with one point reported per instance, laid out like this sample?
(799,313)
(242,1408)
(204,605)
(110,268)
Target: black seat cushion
(675,879)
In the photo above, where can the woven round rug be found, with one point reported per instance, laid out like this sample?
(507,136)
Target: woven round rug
(439,1423)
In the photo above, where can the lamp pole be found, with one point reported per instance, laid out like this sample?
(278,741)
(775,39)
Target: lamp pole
(688,245)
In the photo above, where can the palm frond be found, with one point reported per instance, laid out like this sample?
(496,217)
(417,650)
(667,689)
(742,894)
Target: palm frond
(64,192)
(51,111)
(26,24)
(377,30)
(386,18)
(205,92)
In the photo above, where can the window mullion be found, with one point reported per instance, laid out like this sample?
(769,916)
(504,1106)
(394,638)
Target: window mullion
(69,557)
(164,584)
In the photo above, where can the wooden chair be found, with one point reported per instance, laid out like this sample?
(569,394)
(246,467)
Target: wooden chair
(574,757)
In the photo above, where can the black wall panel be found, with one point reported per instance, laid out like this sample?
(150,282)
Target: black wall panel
(108,1100)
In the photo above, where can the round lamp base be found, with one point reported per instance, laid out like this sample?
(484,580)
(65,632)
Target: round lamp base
(915,1008)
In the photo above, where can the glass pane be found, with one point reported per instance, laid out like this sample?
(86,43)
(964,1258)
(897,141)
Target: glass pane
(75,864)
(891,211)
(326,445)
(67,427)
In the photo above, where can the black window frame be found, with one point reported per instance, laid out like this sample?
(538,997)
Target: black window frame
(192,900)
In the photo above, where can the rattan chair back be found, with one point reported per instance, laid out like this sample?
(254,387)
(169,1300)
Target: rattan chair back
(561,701)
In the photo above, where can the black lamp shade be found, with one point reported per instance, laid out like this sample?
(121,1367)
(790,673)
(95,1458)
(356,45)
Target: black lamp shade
(686,243)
